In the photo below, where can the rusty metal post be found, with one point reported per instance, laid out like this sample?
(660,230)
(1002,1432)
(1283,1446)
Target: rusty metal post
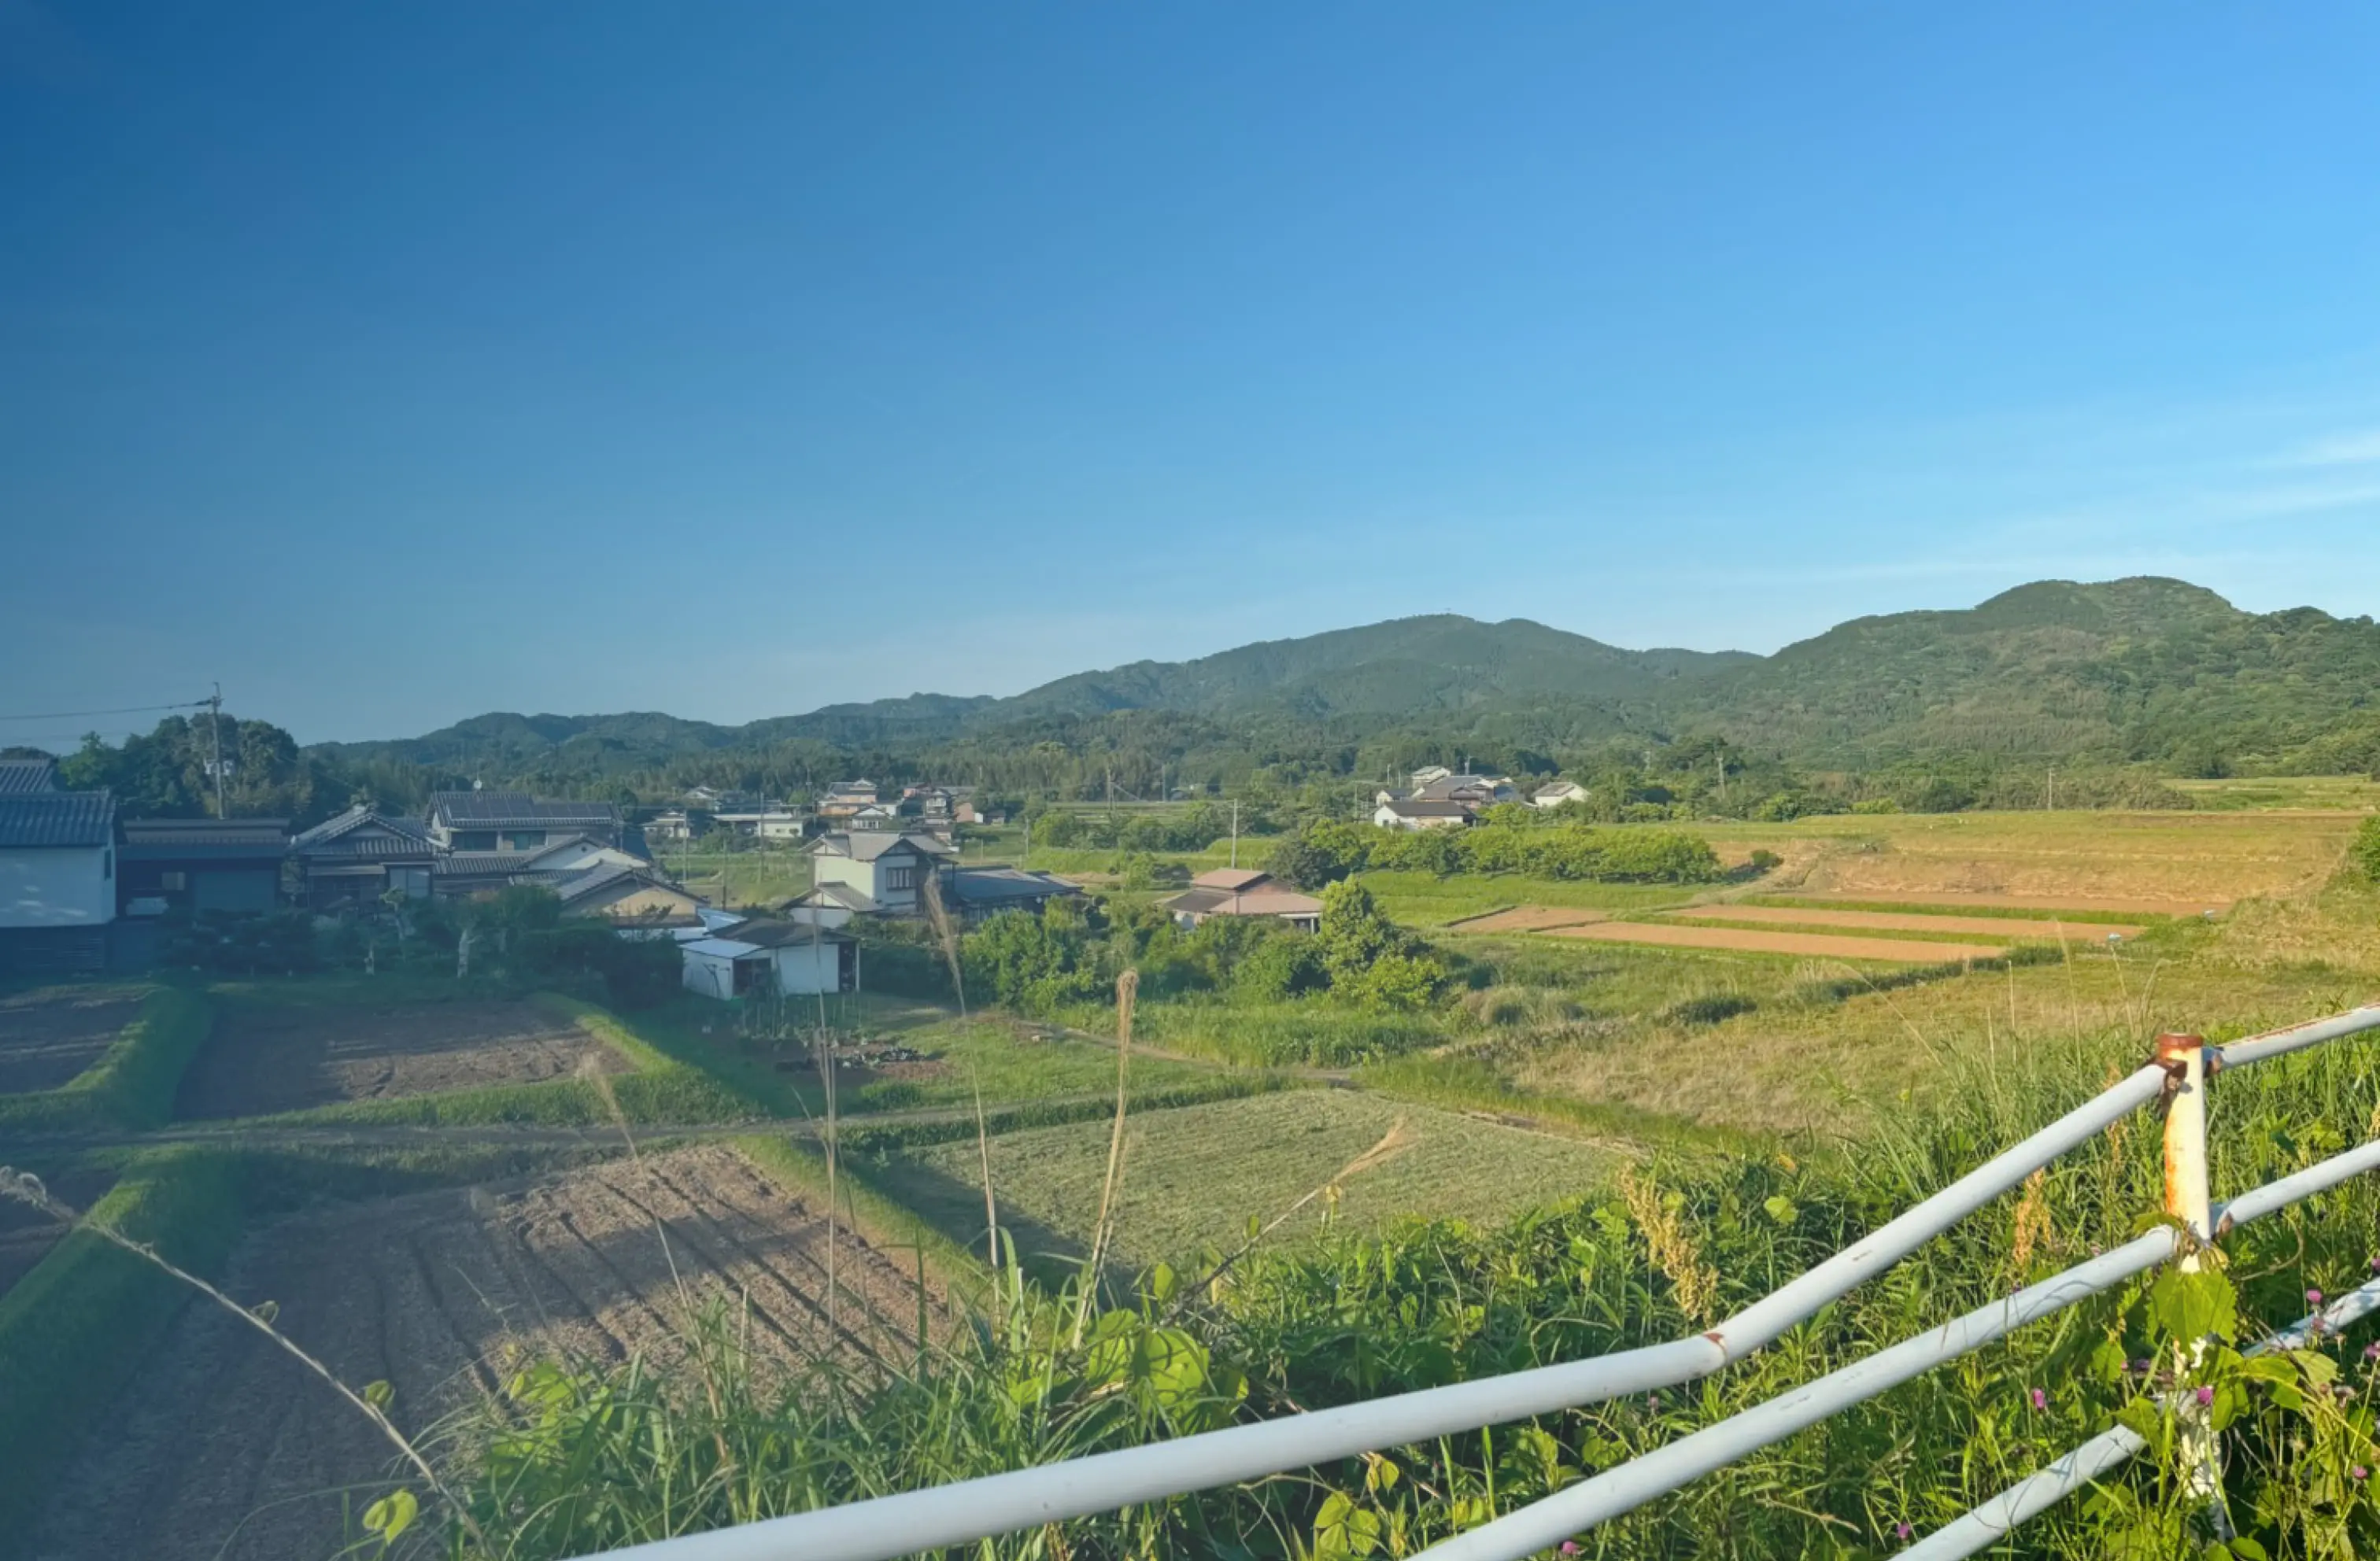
(2188,1200)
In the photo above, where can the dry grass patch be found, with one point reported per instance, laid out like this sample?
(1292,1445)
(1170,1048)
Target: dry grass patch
(1890,921)
(1807,945)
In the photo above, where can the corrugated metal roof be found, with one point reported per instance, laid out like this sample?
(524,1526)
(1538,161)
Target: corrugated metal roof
(981,886)
(56,818)
(517,807)
(28,775)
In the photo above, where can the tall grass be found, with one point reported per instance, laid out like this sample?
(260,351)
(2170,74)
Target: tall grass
(583,1456)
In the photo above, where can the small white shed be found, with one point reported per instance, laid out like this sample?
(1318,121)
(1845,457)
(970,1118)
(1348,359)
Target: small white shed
(796,957)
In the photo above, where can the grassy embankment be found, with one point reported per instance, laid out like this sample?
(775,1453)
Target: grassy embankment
(132,1083)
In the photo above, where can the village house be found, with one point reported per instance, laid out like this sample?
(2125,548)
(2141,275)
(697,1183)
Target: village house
(631,896)
(843,798)
(874,872)
(1422,815)
(200,865)
(360,856)
(773,825)
(881,873)
(676,826)
(1244,892)
(57,874)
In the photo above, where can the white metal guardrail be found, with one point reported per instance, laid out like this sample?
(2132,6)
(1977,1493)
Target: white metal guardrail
(889,1527)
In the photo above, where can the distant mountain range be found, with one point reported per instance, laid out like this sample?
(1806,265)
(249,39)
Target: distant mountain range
(2141,669)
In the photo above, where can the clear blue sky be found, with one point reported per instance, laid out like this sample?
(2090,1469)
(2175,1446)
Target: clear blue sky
(397,363)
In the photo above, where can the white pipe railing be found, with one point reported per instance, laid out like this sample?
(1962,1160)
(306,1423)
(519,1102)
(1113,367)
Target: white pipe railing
(887,1526)
(2036,1493)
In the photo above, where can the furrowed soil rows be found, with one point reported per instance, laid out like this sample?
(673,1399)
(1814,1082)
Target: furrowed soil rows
(228,1448)
(263,1060)
(48,1037)
(1913,921)
(1528,918)
(1812,945)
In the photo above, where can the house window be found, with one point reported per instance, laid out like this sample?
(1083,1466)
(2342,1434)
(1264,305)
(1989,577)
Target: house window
(173,882)
(106,864)
(524,840)
(475,840)
(899,877)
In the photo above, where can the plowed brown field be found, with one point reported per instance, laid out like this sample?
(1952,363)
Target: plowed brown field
(229,1449)
(2133,905)
(1913,921)
(47,1037)
(1811,945)
(263,1059)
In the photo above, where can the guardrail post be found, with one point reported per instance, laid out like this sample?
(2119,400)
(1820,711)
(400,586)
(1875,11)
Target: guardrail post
(2186,1198)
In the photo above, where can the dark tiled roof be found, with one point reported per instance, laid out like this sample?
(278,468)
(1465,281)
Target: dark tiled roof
(993,886)
(517,807)
(482,863)
(181,837)
(56,818)
(342,826)
(1428,809)
(867,845)
(28,775)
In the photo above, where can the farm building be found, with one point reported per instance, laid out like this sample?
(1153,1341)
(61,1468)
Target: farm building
(796,957)
(360,856)
(1553,793)
(676,826)
(57,876)
(1422,815)
(200,865)
(1244,892)
(633,896)
(972,893)
(777,824)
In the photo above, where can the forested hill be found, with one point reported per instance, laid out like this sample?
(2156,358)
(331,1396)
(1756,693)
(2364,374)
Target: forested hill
(2142,669)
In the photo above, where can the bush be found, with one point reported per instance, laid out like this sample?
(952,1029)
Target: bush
(2365,851)
(233,943)
(1712,1008)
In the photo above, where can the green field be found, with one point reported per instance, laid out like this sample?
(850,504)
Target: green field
(1193,1178)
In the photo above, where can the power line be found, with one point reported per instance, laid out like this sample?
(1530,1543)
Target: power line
(125,710)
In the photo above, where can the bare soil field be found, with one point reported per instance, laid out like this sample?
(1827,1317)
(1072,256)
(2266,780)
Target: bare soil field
(48,1037)
(1810,945)
(265,1059)
(1915,921)
(27,1235)
(228,1449)
(1529,918)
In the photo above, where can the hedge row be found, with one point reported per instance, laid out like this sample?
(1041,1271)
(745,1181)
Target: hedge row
(134,1084)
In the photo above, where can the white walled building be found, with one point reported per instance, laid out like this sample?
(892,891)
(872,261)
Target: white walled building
(57,877)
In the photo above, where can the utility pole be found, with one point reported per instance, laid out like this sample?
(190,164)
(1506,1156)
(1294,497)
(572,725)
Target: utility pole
(1235,831)
(214,726)
(2051,806)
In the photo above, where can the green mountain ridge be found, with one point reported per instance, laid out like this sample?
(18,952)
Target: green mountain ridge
(2139,670)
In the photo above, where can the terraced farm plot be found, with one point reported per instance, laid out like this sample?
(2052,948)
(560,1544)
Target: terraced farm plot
(1894,921)
(261,1060)
(2170,862)
(1808,945)
(228,1448)
(48,1037)
(1192,1176)
(1529,918)
(2071,903)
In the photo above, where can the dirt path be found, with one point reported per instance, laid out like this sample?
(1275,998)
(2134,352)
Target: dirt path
(226,1448)
(1912,921)
(46,1040)
(1815,945)
(1529,918)
(259,1060)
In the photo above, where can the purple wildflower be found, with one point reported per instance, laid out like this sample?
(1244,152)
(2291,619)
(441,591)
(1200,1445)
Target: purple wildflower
(2206,1397)
(2040,1399)
(1901,1530)
(2372,1351)
(2313,1298)
(1570,1547)
(2360,1473)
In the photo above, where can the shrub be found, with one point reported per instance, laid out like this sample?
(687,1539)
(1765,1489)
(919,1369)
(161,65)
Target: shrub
(2365,851)
(1711,1007)
(233,943)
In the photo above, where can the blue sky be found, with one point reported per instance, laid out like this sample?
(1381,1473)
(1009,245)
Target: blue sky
(394,364)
